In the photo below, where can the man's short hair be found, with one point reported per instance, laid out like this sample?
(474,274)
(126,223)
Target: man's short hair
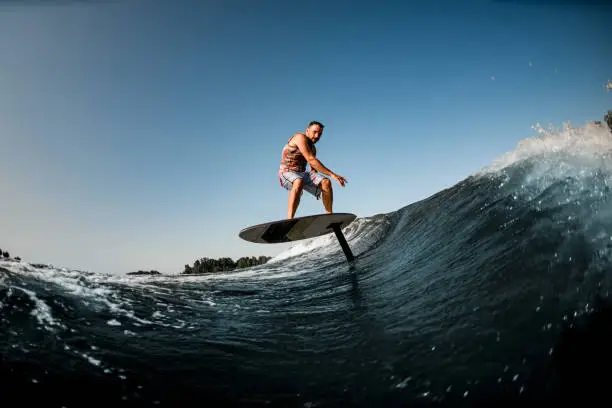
(314,122)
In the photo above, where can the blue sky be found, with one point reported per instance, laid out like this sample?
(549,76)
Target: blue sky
(145,134)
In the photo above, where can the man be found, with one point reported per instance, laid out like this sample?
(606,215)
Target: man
(298,152)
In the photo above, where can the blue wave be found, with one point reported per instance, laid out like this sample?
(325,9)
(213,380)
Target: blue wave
(493,290)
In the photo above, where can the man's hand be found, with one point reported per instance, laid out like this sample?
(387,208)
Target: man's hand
(341,180)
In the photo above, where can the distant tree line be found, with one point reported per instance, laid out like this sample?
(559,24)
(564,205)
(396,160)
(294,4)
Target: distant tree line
(5,254)
(142,272)
(202,265)
(205,265)
(608,118)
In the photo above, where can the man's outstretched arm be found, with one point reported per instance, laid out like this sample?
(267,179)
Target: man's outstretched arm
(302,144)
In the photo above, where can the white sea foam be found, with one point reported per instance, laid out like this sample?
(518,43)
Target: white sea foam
(554,154)
(88,286)
(304,246)
(41,311)
(568,170)
(360,235)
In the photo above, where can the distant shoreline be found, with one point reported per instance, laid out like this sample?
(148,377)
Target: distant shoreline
(199,267)
(209,265)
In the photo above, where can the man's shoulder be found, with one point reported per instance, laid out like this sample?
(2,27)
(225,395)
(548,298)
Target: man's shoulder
(296,136)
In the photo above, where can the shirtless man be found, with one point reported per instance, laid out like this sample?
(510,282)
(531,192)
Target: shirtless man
(299,151)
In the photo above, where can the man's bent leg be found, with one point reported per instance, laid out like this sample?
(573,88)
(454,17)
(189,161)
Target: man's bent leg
(328,195)
(294,197)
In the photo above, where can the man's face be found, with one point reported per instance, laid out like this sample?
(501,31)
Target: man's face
(314,132)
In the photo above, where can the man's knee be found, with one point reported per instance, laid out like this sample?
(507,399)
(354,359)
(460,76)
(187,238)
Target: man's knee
(326,185)
(298,185)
